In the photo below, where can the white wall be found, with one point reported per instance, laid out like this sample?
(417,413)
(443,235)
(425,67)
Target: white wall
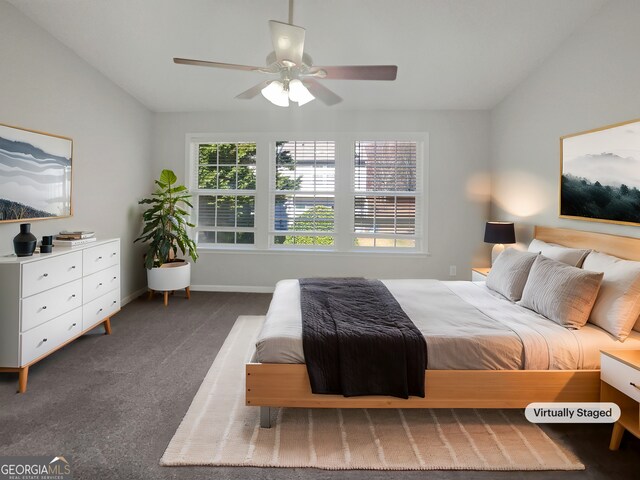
(592,80)
(457,193)
(44,86)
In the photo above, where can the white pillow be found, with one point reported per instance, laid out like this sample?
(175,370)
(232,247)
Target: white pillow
(560,292)
(618,304)
(570,256)
(509,273)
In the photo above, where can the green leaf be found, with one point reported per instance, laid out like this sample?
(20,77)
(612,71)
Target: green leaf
(168,177)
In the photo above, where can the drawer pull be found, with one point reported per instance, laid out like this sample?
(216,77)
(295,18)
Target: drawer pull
(99,310)
(73,296)
(113,254)
(45,274)
(634,385)
(113,303)
(44,307)
(115,278)
(100,284)
(44,340)
(74,325)
(99,258)
(72,267)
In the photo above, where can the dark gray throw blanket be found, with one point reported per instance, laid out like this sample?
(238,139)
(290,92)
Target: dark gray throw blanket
(358,341)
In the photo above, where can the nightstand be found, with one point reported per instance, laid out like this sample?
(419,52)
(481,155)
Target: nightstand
(479,274)
(620,384)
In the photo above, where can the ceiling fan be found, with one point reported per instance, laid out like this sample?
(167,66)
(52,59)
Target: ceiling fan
(296,76)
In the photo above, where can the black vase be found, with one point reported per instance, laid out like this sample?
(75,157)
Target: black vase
(25,242)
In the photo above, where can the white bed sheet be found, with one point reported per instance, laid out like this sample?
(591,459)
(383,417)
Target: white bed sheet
(466,327)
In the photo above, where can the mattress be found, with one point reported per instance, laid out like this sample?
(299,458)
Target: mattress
(466,326)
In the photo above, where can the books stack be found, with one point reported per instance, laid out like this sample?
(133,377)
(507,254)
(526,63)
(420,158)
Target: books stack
(74,239)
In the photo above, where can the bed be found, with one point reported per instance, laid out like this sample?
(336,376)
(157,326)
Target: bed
(517,359)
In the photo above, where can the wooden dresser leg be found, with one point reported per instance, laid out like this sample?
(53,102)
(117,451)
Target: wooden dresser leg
(166,298)
(188,290)
(23,374)
(150,295)
(107,326)
(616,436)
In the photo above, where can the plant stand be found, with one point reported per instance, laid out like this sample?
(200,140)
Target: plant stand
(169,278)
(166,294)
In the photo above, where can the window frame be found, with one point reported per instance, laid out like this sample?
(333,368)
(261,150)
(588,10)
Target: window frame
(344,190)
(193,150)
(272,232)
(421,141)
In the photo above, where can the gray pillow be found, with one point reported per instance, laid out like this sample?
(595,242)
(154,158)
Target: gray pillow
(618,304)
(560,292)
(570,256)
(509,272)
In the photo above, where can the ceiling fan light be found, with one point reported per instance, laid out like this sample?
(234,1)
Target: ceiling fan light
(299,93)
(276,94)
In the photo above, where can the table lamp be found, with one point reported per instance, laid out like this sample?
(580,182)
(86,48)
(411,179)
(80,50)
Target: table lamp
(499,233)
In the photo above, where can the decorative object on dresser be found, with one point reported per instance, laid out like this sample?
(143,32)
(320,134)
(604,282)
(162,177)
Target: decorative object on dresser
(499,233)
(165,230)
(38,184)
(24,243)
(74,239)
(46,246)
(50,300)
(479,274)
(620,384)
(599,179)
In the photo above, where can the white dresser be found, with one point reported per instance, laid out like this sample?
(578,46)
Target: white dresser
(50,299)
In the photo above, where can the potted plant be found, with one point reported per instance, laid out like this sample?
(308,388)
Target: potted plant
(165,231)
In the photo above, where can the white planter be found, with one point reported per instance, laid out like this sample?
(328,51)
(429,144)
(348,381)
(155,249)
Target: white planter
(169,277)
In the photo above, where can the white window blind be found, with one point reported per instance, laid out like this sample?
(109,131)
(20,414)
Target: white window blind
(303,194)
(385,194)
(226,193)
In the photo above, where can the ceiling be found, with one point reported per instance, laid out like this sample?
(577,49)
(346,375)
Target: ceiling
(451,54)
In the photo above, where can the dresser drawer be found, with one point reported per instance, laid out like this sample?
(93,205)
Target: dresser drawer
(100,283)
(98,258)
(48,336)
(50,272)
(42,307)
(100,308)
(620,376)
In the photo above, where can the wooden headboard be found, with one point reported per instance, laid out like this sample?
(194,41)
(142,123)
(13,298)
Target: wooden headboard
(623,247)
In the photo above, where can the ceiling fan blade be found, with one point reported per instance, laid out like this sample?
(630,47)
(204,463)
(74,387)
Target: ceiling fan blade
(288,41)
(203,63)
(356,72)
(253,91)
(321,92)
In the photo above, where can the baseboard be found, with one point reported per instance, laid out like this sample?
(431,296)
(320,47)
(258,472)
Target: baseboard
(133,296)
(231,288)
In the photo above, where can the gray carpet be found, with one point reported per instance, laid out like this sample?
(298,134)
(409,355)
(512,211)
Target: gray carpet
(111,404)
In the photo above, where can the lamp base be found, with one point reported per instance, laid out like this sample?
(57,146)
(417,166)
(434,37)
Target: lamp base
(497,249)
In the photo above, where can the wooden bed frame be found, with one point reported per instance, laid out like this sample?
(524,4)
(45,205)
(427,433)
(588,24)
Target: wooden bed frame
(287,385)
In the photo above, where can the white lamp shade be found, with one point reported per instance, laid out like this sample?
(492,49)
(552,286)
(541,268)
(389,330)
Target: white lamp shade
(299,93)
(276,94)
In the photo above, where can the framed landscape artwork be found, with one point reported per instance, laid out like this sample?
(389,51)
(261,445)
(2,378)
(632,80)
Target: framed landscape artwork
(35,175)
(600,174)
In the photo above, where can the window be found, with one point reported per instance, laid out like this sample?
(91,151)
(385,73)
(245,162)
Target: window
(303,200)
(226,194)
(333,192)
(385,194)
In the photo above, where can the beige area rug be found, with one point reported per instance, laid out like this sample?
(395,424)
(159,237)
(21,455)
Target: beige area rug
(219,430)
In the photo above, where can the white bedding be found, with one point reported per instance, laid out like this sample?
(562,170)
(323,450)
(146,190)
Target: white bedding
(466,327)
